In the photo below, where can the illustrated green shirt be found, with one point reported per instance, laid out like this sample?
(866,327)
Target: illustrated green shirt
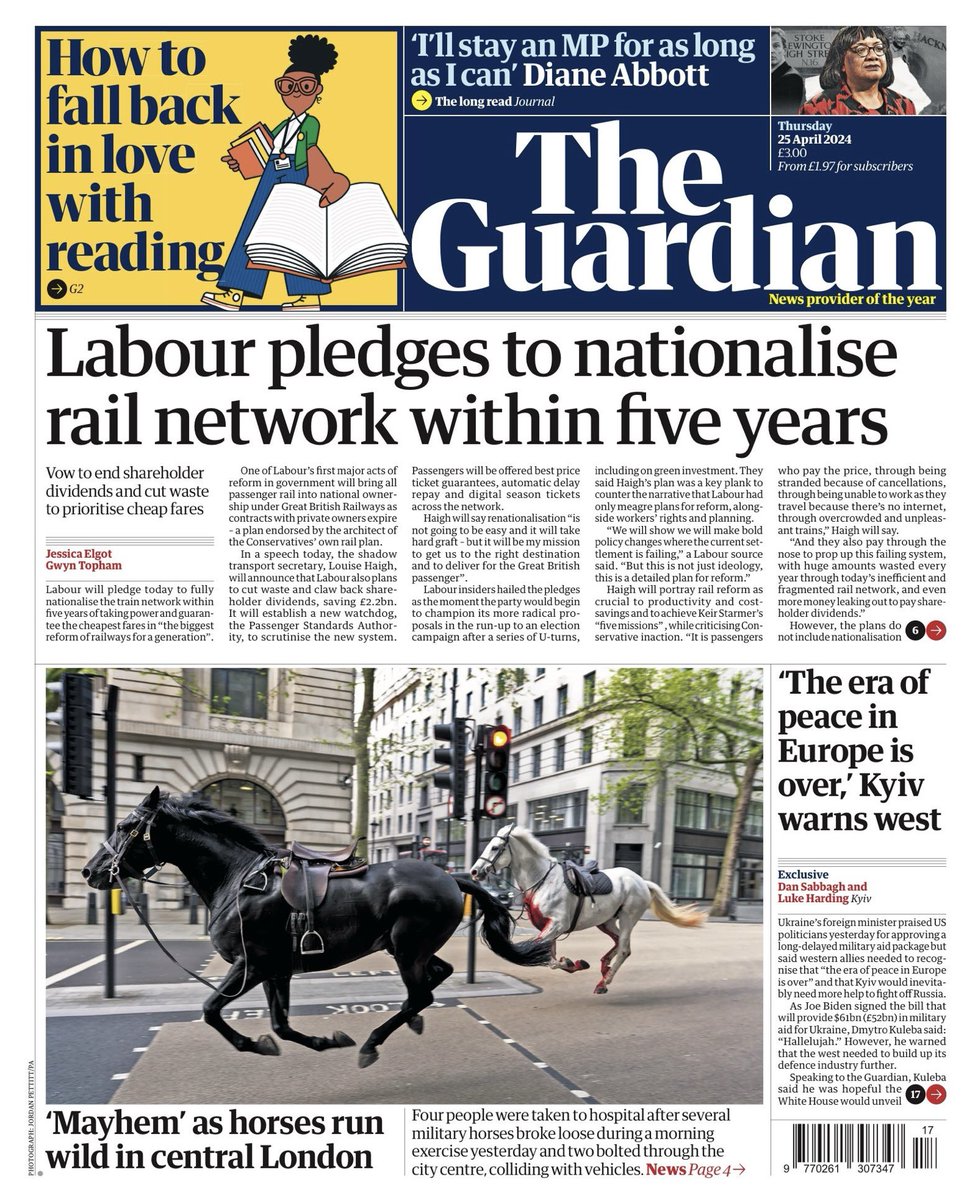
(309,132)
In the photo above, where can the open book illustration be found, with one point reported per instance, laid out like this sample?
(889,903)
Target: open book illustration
(356,235)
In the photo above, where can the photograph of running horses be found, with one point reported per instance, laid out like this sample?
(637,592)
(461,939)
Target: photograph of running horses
(246,864)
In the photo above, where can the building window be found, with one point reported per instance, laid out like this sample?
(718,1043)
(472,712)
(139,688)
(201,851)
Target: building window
(753,824)
(562,700)
(560,753)
(451,832)
(630,805)
(694,877)
(749,879)
(587,744)
(538,711)
(689,876)
(515,768)
(589,681)
(239,692)
(468,703)
(445,682)
(701,810)
(633,738)
(482,695)
(557,813)
(249,803)
(517,721)
(138,768)
(541,671)
(630,855)
(424,797)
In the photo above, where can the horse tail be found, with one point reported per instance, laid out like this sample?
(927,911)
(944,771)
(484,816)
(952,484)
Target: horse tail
(498,926)
(688,915)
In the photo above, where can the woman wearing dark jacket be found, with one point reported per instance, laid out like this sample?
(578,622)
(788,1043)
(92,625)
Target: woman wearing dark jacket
(856,75)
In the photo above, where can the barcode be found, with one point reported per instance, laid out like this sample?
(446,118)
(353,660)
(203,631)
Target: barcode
(852,1142)
(924,1152)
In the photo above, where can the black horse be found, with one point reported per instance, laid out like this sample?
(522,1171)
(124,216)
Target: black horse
(408,908)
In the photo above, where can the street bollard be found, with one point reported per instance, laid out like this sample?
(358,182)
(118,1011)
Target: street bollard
(193,909)
(92,917)
(142,903)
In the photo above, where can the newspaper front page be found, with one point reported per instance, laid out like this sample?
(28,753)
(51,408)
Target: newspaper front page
(499,510)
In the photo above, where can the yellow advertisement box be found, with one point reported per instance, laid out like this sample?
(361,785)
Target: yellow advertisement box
(141,194)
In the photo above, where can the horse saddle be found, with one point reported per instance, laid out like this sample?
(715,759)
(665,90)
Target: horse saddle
(305,881)
(588,880)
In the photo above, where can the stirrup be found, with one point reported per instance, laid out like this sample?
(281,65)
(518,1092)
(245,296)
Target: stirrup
(318,949)
(251,884)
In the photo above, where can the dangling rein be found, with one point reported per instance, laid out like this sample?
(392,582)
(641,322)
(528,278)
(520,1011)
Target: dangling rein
(171,957)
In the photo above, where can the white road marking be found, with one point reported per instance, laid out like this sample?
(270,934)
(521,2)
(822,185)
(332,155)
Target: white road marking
(91,962)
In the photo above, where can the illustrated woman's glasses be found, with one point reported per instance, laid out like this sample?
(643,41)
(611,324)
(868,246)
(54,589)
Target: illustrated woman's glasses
(306,86)
(863,51)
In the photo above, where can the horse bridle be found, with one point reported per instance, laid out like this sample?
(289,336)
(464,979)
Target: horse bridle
(504,837)
(143,830)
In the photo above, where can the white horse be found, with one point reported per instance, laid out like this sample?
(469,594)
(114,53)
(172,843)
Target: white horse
(555,911)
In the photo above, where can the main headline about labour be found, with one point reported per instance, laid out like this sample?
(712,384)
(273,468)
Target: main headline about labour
(532,415)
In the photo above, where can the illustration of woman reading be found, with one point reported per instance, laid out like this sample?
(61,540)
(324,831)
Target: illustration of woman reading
(292,156)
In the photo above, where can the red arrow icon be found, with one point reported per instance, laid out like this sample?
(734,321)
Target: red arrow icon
(935,1094)
(935,630)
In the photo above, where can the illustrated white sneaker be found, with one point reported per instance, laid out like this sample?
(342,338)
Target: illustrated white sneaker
(302,304)
(230,300)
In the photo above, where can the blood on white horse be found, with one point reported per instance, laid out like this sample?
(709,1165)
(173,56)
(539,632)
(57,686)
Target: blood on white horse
(553,910)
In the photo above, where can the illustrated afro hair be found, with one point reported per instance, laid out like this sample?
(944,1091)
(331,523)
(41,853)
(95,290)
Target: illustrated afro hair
(310,52)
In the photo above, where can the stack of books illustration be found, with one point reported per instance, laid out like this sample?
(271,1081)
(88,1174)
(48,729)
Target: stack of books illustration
(251,150)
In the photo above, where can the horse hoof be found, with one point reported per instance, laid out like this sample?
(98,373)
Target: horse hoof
(600,990)
(367,1057)
(581,965)
(340,1040)
(417,1024)
(267,1045)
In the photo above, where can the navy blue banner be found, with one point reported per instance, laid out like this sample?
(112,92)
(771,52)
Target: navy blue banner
(701,214)
(592,69)
(630,170)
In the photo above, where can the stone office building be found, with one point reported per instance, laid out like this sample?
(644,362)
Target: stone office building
(271,745)
(672,830)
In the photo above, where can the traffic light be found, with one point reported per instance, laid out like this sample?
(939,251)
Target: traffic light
(452,756)
(75,719)
(496,770)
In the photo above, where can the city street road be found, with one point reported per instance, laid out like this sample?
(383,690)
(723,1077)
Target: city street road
(681,1024)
